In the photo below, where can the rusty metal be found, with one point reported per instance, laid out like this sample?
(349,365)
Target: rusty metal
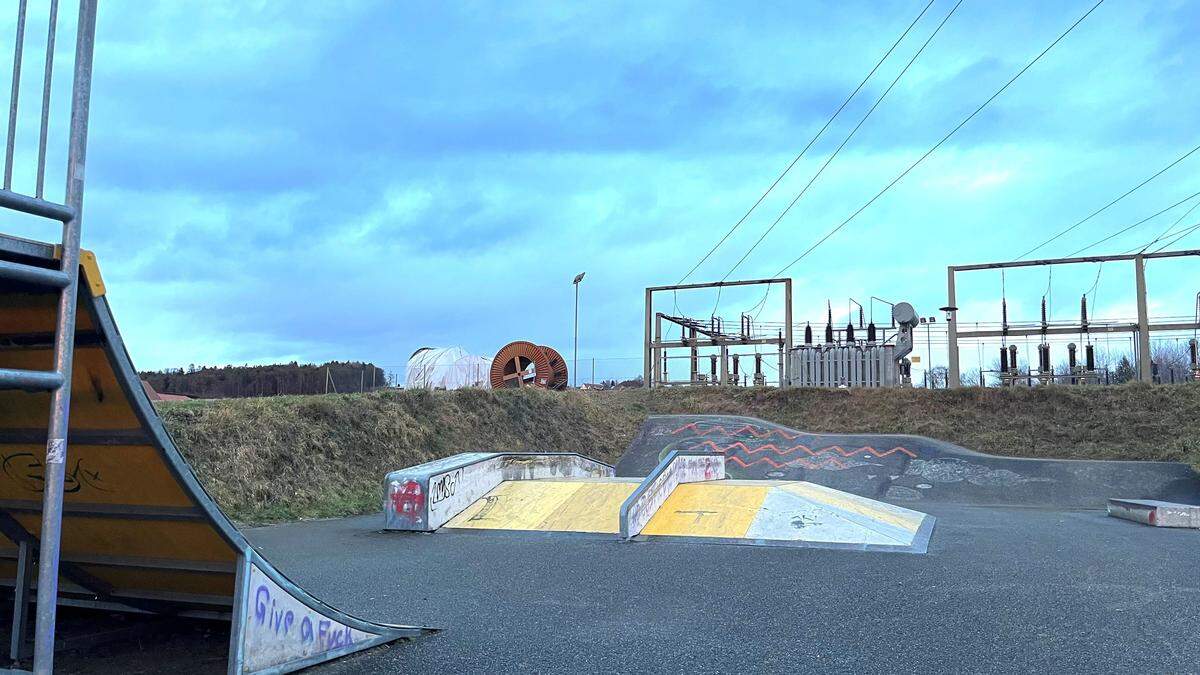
(513,363)
(558,365)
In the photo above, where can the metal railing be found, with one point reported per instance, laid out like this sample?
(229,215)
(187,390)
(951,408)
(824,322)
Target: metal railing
(66,281)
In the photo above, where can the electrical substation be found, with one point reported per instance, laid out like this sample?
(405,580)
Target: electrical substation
(850,356)
(870,355)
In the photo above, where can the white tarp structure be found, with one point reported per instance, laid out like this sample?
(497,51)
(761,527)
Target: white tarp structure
(446,368)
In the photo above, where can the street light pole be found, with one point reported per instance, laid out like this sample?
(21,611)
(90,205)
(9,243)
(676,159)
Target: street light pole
(575,358)
(929,353)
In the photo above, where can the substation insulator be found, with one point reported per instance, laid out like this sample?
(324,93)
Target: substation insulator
(829,333)
(1089,357)
(1083,312)
(713,365)
(1004,316)
(1194,350)
(849,333)
(1044,324)
(860,316)
(871,332)
(1012,357)
(735,367)
(1003,360)
(1071,355)
(808,334)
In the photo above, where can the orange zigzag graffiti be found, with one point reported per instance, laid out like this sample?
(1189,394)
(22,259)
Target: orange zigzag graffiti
(747,428)
(781,452)
(799,461)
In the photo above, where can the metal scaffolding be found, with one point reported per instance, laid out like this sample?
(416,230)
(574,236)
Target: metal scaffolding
(1141,329)
(714,335)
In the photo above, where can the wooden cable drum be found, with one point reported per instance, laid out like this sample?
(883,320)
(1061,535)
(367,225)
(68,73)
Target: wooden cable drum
(558,366)
(521,364)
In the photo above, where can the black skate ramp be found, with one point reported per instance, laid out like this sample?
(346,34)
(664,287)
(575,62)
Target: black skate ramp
(902,468)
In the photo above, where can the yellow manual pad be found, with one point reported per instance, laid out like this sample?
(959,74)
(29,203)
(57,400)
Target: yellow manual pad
(549,505)
(710,509)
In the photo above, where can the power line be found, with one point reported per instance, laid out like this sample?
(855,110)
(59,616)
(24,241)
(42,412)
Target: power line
(1105,207)
(1130,227)
(945,138)
(1167,232)
(844,141)
(810,142)
(1176,240)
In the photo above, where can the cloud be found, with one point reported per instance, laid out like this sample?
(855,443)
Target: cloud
(356,179)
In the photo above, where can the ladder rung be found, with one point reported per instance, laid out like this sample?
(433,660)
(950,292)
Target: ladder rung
(33,275)
(36,207)
(31,380)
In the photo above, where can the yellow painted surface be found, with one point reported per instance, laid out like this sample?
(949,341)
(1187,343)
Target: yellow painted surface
(516,505)
(595,507)
(183,540)
(96,474)
(710,509)
(549,505)
(97,401)
(855,504)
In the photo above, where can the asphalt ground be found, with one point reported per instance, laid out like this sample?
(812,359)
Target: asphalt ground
(1003,589)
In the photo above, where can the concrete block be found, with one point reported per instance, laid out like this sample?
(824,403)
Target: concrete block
(1155,512)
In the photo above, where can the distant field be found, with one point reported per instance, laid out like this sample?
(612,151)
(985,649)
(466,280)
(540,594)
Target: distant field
(289,457)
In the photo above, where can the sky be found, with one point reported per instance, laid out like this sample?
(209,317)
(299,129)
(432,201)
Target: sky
(316,180)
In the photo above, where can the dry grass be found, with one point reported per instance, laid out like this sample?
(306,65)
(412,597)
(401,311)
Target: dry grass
(290,457)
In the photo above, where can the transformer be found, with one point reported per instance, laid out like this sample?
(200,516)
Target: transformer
(856,363)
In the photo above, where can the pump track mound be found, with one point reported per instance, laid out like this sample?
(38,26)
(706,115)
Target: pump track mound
(903,469)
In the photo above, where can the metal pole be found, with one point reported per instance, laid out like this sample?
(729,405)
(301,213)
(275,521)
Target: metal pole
(657,356)
(1145,371)
(46,79)
(786,373)
(19,44)
(929,355)
(646,345)
(952,367)
(575,368)
(64,348)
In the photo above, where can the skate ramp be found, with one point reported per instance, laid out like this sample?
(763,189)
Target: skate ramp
(564,505)
(139,532)
(787,513)
(902,468)
(685,498)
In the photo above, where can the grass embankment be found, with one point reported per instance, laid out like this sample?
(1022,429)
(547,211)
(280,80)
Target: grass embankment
(290,457)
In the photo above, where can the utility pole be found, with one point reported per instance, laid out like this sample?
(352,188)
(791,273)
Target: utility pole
(1145,370)
(575,358)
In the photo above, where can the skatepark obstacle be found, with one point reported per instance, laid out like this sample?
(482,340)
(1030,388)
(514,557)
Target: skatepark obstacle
(139,533)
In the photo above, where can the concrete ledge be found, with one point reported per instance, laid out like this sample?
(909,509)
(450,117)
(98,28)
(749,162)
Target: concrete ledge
(676,468)
(422,498)
(1154,512)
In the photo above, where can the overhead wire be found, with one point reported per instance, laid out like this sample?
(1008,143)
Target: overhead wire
(845,141)
(1171,227)
(811,142)
(1104,208)
(945,138)
(1140,222)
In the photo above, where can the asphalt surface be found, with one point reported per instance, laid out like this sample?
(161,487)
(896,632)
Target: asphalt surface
(1002,589)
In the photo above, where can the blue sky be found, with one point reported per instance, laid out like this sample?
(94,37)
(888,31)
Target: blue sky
(353,180)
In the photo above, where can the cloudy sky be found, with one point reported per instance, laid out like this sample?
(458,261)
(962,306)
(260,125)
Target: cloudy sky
(352,180)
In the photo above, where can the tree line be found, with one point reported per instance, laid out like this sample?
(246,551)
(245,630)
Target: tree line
(271,380)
